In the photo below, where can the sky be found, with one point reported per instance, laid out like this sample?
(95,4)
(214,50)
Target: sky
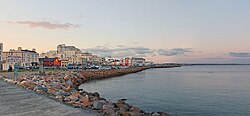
(182,31)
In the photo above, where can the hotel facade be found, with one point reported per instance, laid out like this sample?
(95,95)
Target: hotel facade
(24,58)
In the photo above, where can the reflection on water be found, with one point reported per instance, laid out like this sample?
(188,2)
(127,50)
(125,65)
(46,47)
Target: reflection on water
(188,90)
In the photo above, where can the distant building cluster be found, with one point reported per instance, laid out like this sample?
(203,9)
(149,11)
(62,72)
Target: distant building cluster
(64,57)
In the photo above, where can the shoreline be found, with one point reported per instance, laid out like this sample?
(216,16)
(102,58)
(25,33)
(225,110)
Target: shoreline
(63,86)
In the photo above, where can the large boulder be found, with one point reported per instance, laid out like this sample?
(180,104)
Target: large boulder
(47,79)
(52,90)
(67,77)
(155,114)
(99,104)
(108,110)
(68,89)
(39,87)
(69,82)
(121,105)
(96,94)
(63,93)
(85,101)
(28,84)
(74,95)
(134,114)
(135,109)
(60,97)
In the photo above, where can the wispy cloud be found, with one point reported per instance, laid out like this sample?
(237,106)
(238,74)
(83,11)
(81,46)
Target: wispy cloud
(174,51)
(214,58)
(124,51)
(120,51)
(239,54)
(46,24)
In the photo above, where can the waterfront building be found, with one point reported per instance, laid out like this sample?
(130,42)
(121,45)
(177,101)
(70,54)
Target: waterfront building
(137,61)
(49,54)
(50,62)
(64,63)
(113,61)
(62,48)
(24,58)
(91,59)
(1,52)
(69,55)
(126,61)
(98,60)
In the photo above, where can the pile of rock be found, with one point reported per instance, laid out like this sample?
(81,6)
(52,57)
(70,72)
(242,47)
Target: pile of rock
(63,86)
(101,74)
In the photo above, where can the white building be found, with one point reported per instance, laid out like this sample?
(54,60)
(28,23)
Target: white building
(1,52)
(69,54)
(25,58)
(113,61)
(62,48)
(138,61)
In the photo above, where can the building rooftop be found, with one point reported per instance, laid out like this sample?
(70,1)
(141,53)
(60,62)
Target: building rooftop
(28,51)
(47,59)
(138,58)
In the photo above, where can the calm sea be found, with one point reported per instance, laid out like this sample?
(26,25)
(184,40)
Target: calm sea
(185,91)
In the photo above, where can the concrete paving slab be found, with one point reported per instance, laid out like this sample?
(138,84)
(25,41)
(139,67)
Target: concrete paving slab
(17,101)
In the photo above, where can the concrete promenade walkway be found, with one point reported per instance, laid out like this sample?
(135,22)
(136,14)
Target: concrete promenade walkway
(17,101)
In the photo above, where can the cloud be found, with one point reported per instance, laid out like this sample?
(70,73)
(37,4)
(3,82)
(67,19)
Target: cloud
(239,54)
(46,24)
(174,51)
(124,51)
(214,58)
(120,51)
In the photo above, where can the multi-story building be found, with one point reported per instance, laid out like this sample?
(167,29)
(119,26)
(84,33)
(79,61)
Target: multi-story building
(24,58)
(72,56)
(98,60)
(1,52)
(49,54)
(126,61)
(113,61)
(62,48)
(69,55)
(138,61)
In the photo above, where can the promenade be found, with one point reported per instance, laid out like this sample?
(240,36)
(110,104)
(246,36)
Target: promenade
(17,101)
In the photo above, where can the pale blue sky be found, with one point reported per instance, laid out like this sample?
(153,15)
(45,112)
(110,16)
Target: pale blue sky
(169,30)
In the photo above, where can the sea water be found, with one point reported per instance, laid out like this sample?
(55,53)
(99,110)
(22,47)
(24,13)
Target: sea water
(222,90)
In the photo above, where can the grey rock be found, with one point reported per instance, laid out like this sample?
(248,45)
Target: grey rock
(39,87)
(69,82)
(64,93)
(96,94)
(155,114)
(122,110)
(99,104)
(108,109)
